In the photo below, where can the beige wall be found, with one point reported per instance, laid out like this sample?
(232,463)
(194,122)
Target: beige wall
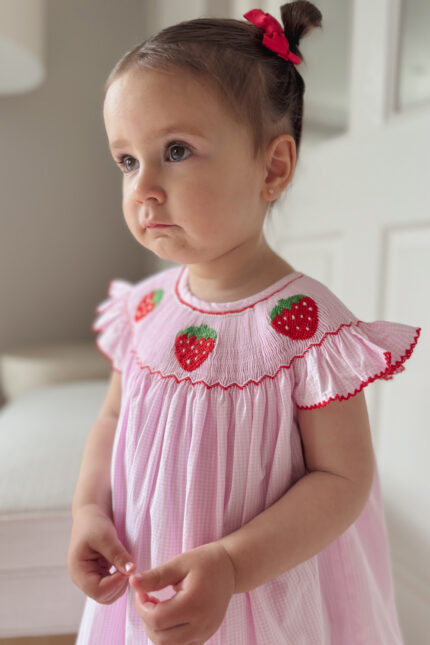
(63,236)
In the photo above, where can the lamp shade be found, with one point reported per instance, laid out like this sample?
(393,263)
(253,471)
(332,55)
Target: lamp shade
(22,45)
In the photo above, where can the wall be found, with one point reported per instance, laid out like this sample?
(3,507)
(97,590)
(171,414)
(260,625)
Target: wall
(63,236)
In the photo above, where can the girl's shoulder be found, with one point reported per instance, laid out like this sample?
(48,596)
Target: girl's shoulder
(120,289)
(305,310)
(124,305)
(332,353)
(149,292)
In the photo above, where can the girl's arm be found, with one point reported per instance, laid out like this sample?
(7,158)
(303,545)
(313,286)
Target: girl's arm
(93,486)
(320,506)
(94,543)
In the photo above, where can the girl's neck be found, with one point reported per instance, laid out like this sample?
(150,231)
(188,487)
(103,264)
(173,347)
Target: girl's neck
(238,274)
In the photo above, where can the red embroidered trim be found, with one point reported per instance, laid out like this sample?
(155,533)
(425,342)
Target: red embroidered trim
(387,374)
(391,369)
(233,311)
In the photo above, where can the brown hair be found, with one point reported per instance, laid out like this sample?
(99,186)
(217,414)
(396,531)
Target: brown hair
(259,87)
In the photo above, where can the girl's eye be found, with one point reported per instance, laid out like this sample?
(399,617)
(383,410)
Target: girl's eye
(175,146)
(126,162)
(123,162)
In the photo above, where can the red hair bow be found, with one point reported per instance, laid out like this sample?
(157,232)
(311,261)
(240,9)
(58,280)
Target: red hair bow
(274,37)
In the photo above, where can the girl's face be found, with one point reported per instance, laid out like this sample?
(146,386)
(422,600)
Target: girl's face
(186,163)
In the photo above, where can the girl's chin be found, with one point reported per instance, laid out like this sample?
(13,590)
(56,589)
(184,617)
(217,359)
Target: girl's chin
(165,248)
(168,252)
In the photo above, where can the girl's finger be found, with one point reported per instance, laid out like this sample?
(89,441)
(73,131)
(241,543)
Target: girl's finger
(144,597)
(110,593)
(112,583)
(135,583)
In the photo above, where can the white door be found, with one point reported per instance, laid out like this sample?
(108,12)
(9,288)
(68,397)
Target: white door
(357,217)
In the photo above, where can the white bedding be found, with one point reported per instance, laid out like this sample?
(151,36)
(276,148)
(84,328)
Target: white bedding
(42,436)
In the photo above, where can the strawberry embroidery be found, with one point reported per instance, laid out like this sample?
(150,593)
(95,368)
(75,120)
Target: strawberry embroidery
(295,317)
(148,303)
(193,345)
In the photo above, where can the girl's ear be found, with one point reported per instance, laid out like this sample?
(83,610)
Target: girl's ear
(280,164)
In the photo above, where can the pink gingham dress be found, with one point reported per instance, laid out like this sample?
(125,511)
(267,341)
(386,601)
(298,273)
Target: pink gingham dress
(207,438)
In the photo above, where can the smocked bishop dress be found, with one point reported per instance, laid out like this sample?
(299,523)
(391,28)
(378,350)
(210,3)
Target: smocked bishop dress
(207,438)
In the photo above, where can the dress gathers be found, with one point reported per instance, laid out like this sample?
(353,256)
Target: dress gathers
(207,438)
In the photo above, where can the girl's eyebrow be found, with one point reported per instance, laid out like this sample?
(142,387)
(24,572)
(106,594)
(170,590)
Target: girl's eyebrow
(171,129)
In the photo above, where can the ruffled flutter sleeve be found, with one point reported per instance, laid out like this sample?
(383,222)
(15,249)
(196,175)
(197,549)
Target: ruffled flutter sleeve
(113,324)
(347,359)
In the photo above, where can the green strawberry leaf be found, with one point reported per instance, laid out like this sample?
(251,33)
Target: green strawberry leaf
(199,332)
(285,304)
(157,296)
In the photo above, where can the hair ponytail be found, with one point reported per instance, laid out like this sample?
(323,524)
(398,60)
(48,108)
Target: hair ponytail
(298,19)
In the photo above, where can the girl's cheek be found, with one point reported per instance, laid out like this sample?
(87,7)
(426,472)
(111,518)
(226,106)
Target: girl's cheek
(129,203)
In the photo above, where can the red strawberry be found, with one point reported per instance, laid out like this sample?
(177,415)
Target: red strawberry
(193,345)
(295,317)
(148,303)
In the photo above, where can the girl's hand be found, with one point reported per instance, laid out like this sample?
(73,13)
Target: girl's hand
(94,548)
(204,579)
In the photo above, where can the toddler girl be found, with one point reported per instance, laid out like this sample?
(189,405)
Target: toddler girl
(228,492)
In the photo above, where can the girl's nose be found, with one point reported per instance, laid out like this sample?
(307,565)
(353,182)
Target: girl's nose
(144,190)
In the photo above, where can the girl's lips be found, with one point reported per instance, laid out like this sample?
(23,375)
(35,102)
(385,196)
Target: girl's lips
(156,225)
